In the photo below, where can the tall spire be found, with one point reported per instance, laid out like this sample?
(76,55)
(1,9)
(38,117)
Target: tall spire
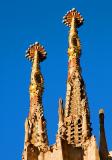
(76,118)
(35,125)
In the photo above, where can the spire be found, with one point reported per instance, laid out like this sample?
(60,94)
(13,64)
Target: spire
(36,54)
(61,127)
(103,149)
(77,118)
(35,125)
(61,113)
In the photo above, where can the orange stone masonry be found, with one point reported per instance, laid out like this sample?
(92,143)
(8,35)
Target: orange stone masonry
(74,139)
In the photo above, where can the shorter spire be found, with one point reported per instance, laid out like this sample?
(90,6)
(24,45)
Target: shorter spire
(103,149)
(35,125)
(36,54)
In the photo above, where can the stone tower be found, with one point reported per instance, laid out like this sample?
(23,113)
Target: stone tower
(74,140)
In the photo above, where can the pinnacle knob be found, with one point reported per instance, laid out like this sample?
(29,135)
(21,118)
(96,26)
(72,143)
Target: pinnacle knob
(36,48)
(67,19)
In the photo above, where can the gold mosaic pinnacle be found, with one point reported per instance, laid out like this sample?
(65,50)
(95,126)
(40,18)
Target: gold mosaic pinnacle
(36,48)
(67,19)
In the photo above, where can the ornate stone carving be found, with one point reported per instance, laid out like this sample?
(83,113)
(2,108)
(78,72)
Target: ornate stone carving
(73,140)
(35,125)
(76,101)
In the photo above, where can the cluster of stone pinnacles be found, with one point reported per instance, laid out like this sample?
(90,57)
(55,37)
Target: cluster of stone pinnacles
(74,140)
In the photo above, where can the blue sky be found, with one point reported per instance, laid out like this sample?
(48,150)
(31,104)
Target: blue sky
(22,22)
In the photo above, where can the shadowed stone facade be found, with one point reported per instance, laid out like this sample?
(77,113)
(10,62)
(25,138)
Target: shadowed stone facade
(74,139)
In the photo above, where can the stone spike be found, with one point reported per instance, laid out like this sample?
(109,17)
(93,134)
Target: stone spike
(103,144)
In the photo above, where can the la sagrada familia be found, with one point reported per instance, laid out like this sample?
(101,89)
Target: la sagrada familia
(74,139)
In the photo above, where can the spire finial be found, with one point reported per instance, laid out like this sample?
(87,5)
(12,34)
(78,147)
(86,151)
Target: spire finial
(36,48)
(73,14)
(73,19)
